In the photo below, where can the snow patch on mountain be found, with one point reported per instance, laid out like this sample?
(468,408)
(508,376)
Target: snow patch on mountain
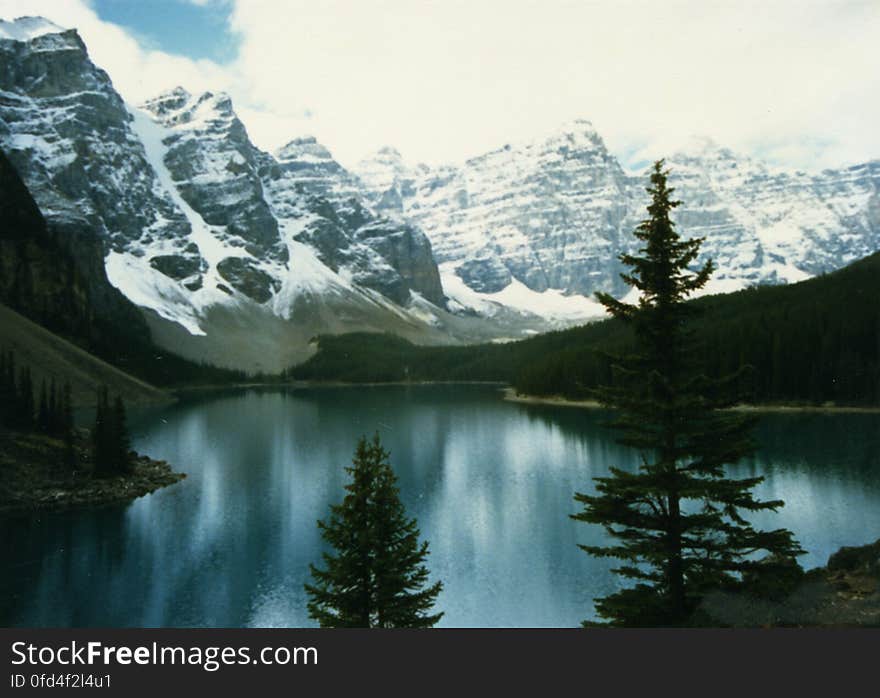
(152,135)
(27,28)
(307,276)
(148,288)
(550,304)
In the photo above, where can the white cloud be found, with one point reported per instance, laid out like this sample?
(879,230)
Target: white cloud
(447,80)
(793,81)
(138,72)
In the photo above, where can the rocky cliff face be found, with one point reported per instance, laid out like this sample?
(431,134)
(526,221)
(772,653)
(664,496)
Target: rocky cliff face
(55,275)
(555,213)
(69,134)
(189,215)
(548,214)
(321,204)
(214,166)
(768,225)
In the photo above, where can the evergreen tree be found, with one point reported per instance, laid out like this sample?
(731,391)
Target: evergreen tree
(8,388)
(111,444)
(66,426)
(24,416)
(678,521)
(54,421)
(43,410)
(102,435)
(121,440)
(376,575)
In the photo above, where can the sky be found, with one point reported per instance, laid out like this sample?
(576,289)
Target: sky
(796,83)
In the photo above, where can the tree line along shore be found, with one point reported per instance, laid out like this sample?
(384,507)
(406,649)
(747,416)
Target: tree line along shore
(48,462)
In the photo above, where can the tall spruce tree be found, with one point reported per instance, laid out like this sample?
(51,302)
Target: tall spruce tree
(111,444)
(121,439)
(43,415)
(678,522)
(24,415)
(8,389)
(102,435)
(376,575)
(54,424)
(65,416)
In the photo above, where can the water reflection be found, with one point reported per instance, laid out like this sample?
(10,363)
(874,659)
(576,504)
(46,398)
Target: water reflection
(490,482)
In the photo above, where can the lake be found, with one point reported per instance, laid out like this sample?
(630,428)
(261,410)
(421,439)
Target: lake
(491,483)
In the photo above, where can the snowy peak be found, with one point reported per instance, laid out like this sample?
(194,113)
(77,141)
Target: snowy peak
(577,133)
(389,152)
(37,36)
(28,28)
(704,152)
(387,179)
(178,106)
(169,101)
(385,158)
(382,167)
(325,205)
(216,168)
(305,149)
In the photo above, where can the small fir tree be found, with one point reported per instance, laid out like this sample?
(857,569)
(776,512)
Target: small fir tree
(678,521)
(375,576)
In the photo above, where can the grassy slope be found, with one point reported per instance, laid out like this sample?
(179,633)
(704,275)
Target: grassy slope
(50,356)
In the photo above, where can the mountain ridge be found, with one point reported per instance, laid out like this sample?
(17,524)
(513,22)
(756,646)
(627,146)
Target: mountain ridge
(194,218)
(201,227)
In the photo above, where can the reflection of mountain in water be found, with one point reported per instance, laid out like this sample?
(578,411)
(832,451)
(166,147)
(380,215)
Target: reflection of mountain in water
(490,482)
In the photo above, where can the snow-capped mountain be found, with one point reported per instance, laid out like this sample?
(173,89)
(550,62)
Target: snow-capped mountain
(769,225)
(551,216)
(239,257)
(235,255)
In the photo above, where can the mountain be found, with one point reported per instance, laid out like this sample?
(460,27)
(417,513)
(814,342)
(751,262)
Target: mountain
(235,256)
(239,257)
(769,225)
(551,215)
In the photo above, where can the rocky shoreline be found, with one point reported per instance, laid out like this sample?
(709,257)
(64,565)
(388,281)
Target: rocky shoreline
(34,480)
(511,395)
(844,593)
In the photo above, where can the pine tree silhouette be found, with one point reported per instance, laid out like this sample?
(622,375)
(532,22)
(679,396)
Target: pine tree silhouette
(375,576)
(678,522)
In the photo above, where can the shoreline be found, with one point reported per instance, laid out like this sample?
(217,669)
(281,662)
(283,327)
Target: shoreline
(34,482)
(510,395)
(147,477)
(302,385)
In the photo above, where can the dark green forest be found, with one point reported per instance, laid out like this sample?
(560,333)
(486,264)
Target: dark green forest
(812,342)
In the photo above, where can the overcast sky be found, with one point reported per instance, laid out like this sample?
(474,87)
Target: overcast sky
(796,83)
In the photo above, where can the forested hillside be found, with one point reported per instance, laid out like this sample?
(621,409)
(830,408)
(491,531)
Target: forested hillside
(815,341)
